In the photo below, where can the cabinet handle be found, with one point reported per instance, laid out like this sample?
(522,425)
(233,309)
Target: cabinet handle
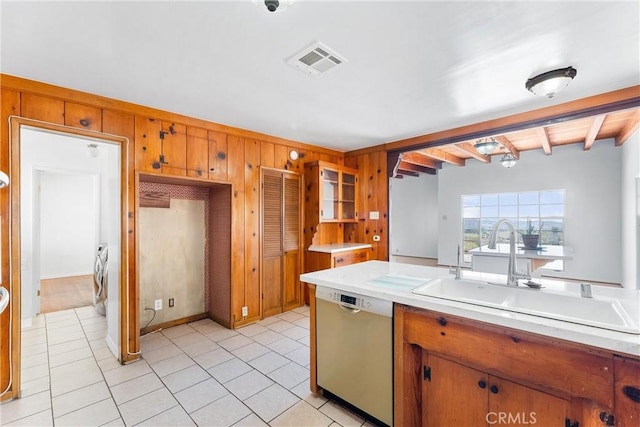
(493,389)
(84,122)
(442,321)
(482,384)
(569,423)
(339,260)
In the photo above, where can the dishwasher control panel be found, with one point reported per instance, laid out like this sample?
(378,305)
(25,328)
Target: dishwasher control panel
(356,301)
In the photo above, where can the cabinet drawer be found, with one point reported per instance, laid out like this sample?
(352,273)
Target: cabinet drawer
(541,362)
(349,257)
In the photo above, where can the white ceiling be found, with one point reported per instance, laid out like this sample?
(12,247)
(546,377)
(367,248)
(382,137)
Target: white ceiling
(414,67)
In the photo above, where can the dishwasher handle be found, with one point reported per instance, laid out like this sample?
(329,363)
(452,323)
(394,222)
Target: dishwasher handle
(349,310)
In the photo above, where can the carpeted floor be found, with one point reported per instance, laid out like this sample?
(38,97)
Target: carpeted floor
(65,293)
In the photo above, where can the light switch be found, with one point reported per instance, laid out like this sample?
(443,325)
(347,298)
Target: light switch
(374,215)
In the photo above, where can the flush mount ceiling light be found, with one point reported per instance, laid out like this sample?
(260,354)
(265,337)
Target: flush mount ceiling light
(549,83)
(508,160)
(4,179)
(486,145)
(274,5)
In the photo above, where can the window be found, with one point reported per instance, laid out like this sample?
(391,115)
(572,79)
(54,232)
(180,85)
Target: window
(480,212)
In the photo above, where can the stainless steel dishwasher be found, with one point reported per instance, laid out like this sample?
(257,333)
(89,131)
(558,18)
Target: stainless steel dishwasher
(354,351)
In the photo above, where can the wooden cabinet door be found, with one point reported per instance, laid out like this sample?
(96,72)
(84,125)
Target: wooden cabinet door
(281,241)
(174,149)
(217,156)
(272,249)
(627,391)
(329,194)
(197,153)
(452,394)
(147,143)
(515,404)
(348,194)
(291,240)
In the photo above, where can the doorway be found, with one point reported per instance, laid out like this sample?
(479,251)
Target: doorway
(46,158)
(67,233)
(67,205)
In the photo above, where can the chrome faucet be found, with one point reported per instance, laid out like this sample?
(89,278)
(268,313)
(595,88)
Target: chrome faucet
(456,270)
(512,273)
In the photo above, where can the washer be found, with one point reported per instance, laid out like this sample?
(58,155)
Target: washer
(100,279)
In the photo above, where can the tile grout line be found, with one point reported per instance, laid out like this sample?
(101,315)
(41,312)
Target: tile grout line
(228,391)
(101,374)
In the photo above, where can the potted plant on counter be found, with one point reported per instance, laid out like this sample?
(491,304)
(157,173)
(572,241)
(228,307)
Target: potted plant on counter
(531,236)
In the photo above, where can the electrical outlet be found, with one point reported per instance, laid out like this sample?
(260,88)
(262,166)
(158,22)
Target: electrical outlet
(171,302)
(376,238)
(245,311)
(158,305)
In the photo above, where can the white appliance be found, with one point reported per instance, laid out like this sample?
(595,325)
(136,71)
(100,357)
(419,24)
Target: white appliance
(354,342)
(100,277)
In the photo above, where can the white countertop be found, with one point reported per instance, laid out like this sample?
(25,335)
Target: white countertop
(357,277)
(550,252)
(338,247)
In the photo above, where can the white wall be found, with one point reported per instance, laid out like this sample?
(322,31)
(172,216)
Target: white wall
(631,212)
(172,264)
(63,153)
(68,224)
(413,223)
(593,202)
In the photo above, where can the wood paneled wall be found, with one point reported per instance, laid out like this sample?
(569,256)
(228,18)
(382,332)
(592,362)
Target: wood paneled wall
(374,197)
(234,156)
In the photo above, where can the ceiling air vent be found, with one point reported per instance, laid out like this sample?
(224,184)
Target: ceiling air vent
(316,59)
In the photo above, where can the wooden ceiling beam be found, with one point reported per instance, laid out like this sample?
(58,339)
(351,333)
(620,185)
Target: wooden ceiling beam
(629,128)
(504,141)
(408,173)
(586,107)
(420,160)
(543,136)
(471,150)
(405,166)
(442,156)
(593,131)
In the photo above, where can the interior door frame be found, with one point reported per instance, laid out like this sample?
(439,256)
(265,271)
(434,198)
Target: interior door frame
(15,307)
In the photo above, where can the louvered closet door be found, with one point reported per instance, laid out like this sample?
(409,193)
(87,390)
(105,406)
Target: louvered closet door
(272,245)
(291,241)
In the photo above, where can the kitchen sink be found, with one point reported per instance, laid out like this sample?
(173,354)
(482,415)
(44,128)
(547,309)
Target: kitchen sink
(600,312)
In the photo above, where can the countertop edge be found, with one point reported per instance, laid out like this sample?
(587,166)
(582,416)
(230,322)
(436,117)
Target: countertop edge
(614,341)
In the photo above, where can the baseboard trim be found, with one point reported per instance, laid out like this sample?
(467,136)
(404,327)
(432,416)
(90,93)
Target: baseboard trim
(176,322)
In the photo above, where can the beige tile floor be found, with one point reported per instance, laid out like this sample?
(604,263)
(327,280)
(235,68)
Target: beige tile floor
(194,374)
